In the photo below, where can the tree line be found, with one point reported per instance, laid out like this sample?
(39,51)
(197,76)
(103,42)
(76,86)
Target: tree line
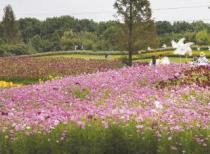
(69,33)
(197,32)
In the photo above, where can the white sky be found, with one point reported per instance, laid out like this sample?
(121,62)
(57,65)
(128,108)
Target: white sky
(102,10)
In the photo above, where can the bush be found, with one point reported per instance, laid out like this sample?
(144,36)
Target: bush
(41,45)
(17,49)
(95,139)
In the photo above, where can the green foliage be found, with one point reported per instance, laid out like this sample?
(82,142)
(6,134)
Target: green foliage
(69,40)
(83,40)
(16,49)
(133,13)
(197,32)
(163,27)
(9,26)
(29,27)
(51,34)
(94,139)
(179,27)
(40,44)
(88,40)
(80,93)
(114,37)
(202,38)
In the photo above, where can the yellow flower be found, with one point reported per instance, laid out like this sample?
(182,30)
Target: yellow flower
(4,84)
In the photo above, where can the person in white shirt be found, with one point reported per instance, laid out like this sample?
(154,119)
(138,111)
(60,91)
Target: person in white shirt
(202,60)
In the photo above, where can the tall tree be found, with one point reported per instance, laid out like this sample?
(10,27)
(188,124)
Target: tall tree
(11,33)
(133,12)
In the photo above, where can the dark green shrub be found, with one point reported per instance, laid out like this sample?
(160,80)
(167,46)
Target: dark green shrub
(16,49)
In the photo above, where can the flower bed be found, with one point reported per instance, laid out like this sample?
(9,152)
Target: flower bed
(4,84)
(119,111)
(32,69)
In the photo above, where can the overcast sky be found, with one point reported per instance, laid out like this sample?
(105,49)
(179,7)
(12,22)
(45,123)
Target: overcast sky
(102,10)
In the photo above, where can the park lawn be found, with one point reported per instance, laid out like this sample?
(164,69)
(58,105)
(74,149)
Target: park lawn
(172,59)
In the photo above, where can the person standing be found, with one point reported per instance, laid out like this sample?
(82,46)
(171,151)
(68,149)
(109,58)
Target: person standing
(154,60)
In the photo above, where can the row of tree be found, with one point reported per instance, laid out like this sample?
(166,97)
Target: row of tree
(197,32)
(66,33)
(136,31)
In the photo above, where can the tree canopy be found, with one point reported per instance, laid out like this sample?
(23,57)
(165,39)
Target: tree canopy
(51,34)
(134,13)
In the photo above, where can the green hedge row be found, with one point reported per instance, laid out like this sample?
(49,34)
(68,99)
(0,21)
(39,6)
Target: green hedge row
(16,49)
(202,48)
(81,52)
(170,54)
(117,139)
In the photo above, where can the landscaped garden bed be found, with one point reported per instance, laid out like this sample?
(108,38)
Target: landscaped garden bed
(119,111)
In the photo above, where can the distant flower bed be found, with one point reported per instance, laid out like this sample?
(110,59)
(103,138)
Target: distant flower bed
(18,68)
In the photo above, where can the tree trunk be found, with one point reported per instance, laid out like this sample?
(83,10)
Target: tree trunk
(130,41)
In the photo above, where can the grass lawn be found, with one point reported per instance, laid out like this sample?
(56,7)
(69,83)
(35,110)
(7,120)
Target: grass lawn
(172,59)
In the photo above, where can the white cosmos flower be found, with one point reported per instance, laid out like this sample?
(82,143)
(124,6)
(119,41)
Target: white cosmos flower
(158,105)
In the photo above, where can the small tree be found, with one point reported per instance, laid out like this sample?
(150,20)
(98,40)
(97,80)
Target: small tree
(132,12)
(10,30)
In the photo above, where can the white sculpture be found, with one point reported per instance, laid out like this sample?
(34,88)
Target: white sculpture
(198,48)
(164,46)
(181,47)
(209,48)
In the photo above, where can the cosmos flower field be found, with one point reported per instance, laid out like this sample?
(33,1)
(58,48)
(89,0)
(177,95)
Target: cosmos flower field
(32,69)
(142,109)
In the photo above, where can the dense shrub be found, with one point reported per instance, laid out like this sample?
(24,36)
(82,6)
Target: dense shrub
(17,49)
(94,139)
